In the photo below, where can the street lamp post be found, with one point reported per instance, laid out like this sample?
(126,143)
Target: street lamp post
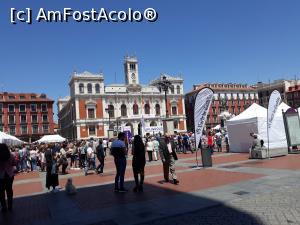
(164,85)
(108,110)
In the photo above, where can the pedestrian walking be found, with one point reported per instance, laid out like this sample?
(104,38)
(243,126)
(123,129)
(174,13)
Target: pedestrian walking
(218,138)
(7,168)
(100,153)
(138,163)
(155,148)
(118,150)
(168,156)
(149,149)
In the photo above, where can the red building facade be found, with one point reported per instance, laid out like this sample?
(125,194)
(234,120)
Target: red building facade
(293,96)
(228,97)
(27,116)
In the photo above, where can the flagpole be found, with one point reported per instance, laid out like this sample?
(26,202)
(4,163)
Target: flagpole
(268,133)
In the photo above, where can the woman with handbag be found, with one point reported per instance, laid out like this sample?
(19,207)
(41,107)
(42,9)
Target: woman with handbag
(51,168)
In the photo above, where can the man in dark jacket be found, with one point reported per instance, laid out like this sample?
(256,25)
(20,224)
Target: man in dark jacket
(118,150)
(168,156)
(100,156)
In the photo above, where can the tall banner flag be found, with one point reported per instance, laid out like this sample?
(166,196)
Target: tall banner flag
(143,123)
(274,102)
(202,104)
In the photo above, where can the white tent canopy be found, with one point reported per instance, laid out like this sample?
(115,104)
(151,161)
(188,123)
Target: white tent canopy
(9,139)
(51,139)
(254,119)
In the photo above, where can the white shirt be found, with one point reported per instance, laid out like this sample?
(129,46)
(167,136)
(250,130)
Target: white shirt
(90,152)
(33,154)
(62,152)
(149,146)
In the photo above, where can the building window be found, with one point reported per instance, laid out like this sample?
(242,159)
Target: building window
(153,124)
(135,109)
(157,109)
(1,128)
(178,89)
(23,118)
(22,97)
(22,108)
(23,129)
(91,113)
(34,118)
(11,108)
(1,119)
(111,111)
(90,88)
(1,108)
(147,109)
(44,107)
(11,97)
(45,118)
(92,130)
(132,66)
(174,110)
(12,130)
(81,88)
(33,97)
(97,88)
(33,108)
(11,119)
(45,129)
(35,129)
(123,110)
(172,89)
(175,124)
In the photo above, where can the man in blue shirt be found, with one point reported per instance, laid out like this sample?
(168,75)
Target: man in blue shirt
(118,150)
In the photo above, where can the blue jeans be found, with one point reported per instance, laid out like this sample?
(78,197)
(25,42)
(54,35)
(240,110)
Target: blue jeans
(33,164)
(120,164)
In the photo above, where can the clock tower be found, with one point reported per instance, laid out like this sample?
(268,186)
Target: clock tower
(131,70)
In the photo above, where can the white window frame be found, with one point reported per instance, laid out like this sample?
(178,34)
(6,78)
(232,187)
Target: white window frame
(20,107)
(25,117)
(22,129)
(9,129)
(13,106)
(42,107)
(87,111)
(95,130)
(37,129)
(44,129)
(14,119)
(31,108)
(43,118)
(37,118)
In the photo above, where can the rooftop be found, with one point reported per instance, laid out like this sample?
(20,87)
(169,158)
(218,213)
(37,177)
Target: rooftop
(23,97)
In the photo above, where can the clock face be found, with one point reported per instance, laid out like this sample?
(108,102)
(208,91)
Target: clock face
(133,76)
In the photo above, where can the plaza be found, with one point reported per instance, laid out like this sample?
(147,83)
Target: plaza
(235,190)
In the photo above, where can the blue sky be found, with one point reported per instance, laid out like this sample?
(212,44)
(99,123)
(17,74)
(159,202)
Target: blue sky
(205,41)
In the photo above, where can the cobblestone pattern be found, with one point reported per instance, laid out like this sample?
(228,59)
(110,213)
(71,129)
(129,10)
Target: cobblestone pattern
(281,207)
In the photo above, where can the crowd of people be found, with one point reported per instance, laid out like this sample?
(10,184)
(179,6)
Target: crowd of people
(57,158)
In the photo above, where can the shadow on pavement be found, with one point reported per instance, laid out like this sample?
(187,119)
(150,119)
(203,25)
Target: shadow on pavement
(99,205)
